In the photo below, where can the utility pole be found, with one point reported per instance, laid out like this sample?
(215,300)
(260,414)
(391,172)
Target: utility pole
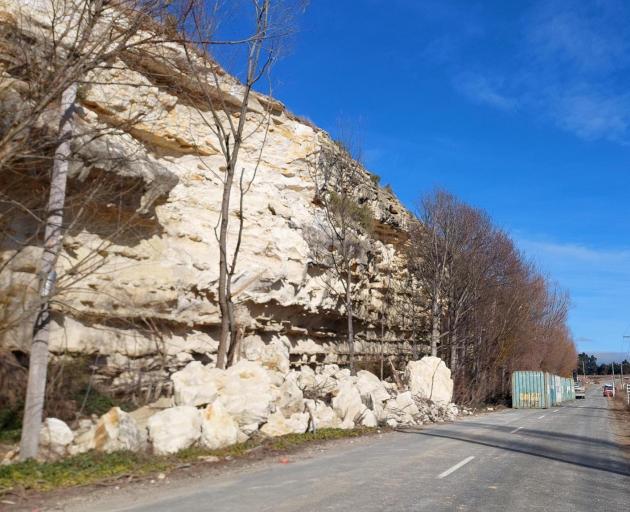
(613,377)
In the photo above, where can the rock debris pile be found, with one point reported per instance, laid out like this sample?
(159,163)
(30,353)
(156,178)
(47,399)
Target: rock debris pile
(214,408)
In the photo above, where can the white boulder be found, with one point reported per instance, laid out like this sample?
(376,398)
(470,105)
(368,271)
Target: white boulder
(430,378)
(402,410)
(323,415)
(55,438)
(289,397)
(195,384)
(274,356)
(116,430)
(348,404)
(246,393)
(369,419)
(371,388)
(175,429)
(306,379)
(218,428)
(278,425)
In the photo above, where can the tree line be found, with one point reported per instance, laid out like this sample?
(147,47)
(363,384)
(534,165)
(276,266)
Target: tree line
(468,294)
(489,310)
(587,365)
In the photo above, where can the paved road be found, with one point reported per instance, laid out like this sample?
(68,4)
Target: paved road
(560,459)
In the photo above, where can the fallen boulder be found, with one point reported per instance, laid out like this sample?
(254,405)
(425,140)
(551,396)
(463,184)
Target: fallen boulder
(55,438)
(218,428)
(401,410)
(348,404)
(278,425)
(371,388)
(246,393)
(289,397)
(116,430)
(195,384)
(430,378)
(175,429)
(323,415)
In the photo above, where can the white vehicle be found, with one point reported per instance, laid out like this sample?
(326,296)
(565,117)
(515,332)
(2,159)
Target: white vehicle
(580,390)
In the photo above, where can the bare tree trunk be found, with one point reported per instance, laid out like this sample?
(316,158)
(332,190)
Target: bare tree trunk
(349,311)
(454,361)
(224,300)
(435,324)
(382,342)
(414,343)
(38,362)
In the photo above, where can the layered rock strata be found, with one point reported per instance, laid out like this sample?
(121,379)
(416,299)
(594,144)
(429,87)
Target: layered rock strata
(139,273)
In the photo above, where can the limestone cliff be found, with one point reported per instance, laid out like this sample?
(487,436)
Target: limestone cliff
(139,272)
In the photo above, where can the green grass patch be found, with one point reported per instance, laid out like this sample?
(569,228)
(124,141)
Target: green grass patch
(10,436)
(92,467)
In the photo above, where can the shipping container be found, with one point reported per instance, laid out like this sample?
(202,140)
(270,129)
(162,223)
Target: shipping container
(540,390)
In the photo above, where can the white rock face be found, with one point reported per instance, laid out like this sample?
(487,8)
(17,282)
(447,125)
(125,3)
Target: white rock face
(55,438)
(116,430)
(218,428)
(168,273)
(278,425)
(174,429)
(195,384)
(430,379)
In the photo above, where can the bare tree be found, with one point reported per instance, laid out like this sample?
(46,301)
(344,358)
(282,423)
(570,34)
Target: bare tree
(227,118)
(48,60)
(491,311)
(433,240)
(339,241)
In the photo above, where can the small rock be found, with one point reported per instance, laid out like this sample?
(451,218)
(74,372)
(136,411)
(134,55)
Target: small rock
(208,458)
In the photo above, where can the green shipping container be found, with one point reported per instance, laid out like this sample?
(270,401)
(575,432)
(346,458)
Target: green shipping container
(530,390)
(540,390)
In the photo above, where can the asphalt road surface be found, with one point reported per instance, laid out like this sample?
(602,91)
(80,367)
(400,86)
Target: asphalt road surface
(559,459)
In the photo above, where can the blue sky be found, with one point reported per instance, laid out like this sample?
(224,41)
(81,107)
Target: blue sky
(520,108)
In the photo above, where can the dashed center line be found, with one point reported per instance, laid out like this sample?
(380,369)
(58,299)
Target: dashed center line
(456,467)
(541,417)
(516,430)
(556,410)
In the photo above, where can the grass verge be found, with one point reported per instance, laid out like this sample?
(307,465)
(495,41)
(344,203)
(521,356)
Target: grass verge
(92,467)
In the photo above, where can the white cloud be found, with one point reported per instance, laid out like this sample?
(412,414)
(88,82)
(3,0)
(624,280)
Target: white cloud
(588,36)
(573,253)
(598,280)
(482,90)
(566,68)
(591,115)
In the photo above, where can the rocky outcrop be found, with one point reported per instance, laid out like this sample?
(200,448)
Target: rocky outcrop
(146,303)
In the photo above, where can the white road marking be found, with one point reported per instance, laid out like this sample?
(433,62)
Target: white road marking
(556,410)
(541,417)
(516,430)
(456,467)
